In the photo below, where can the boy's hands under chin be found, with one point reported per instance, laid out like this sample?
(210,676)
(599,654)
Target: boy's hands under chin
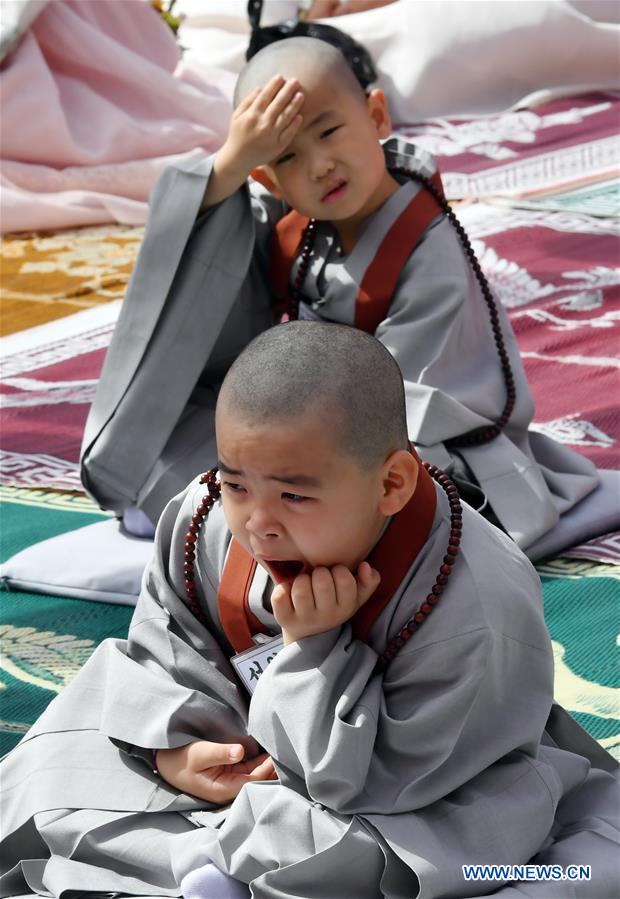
(212,771)
(324,599)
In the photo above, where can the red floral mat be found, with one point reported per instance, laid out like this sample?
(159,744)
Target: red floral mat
(48,377)
(556,274)
(557,145)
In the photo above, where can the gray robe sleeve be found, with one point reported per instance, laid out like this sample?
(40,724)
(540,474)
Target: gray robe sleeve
(183,687)
(197,296)
(170,683)
(447,708)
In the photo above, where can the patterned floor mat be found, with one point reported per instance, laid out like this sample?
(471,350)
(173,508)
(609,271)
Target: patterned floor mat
(48,275)
(581,610)
(48,378)
(558,146)
(44,640)
(557,275)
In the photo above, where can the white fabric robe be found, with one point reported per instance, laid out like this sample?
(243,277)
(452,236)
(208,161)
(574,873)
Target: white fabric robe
(387,782)
(199,293)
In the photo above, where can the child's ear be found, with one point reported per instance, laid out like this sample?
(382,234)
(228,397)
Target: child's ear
(399,478)
(261,175)
(379,113)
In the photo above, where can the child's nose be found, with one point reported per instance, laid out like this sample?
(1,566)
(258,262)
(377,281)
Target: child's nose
(262,524)
(322,165)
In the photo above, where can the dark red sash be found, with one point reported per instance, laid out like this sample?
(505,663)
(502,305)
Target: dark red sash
(379,283)
(392,557)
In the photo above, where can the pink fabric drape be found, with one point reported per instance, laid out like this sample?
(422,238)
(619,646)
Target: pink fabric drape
(95,102)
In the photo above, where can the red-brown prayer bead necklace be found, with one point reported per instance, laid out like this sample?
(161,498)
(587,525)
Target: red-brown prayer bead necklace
(203,509)
(425,609)
(477,436)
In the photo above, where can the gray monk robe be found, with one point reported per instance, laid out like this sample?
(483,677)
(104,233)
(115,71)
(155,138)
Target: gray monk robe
(200,292)
(388,782)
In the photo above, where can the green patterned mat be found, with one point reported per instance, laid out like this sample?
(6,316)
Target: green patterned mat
(44,640)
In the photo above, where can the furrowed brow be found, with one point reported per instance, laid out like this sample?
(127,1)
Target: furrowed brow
(294,480)
(223,467)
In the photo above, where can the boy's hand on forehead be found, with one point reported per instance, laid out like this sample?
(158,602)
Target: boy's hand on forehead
(263,124)
(326,598)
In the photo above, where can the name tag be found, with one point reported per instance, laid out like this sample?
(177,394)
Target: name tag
(251,663)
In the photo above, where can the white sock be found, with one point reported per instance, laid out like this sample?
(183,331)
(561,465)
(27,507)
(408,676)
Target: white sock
(209,882)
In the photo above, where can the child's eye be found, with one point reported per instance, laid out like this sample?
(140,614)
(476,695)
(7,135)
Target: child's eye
(294,497)
(286,158)
(232,487)
(329,131)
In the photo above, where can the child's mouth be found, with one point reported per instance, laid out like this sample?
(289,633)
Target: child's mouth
(335,193)
(284,571)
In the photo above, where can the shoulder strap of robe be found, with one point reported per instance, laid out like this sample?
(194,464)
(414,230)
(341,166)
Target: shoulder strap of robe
(237,619)
(380,279)
(392,557)
(395,553)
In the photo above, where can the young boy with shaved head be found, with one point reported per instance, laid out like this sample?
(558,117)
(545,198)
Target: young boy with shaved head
(336,226)
(337,682)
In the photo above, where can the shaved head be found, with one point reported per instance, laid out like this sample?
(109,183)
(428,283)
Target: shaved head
(306,58)
(344,377)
